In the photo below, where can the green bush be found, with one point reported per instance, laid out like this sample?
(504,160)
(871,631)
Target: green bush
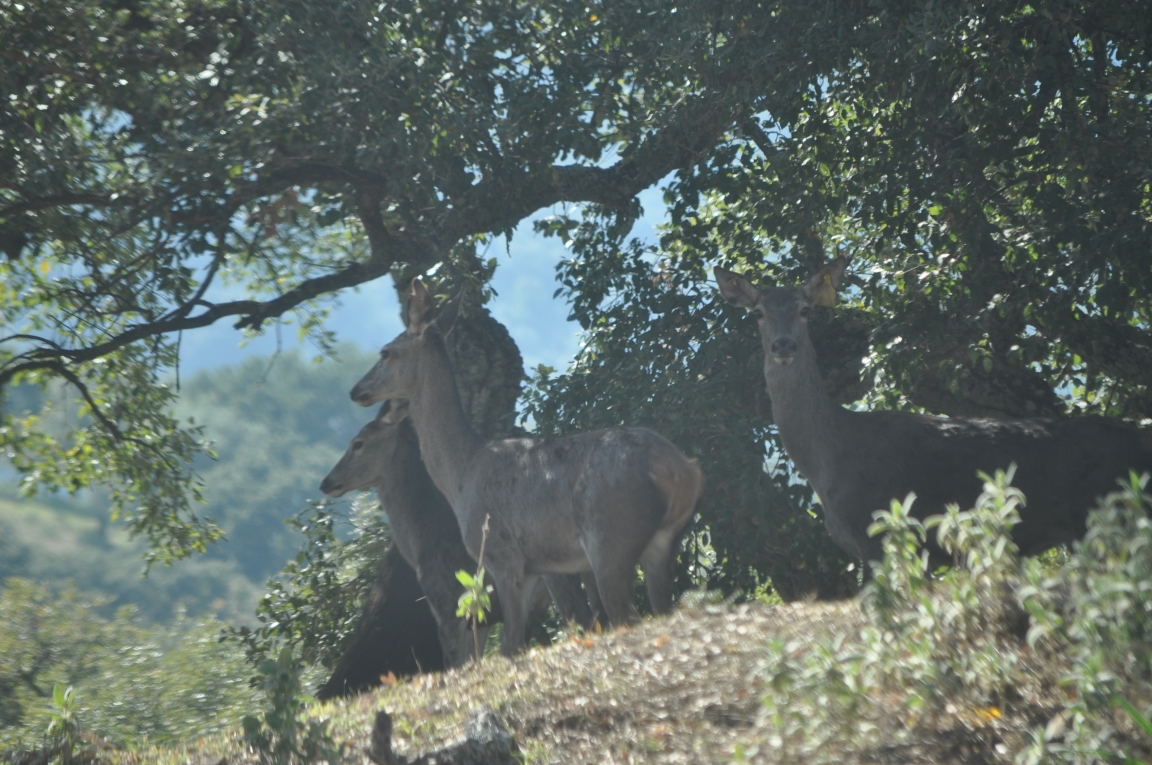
(942,661)
(281,734)
(933,648)
(313,605)
(130,683)
(1097,610)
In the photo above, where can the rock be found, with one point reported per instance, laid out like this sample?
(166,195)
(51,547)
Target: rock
(486,742)
(211,759)
(380,747)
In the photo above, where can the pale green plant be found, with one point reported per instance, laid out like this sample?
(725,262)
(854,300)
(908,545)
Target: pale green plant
(933,648)
(476,601)
(63,730)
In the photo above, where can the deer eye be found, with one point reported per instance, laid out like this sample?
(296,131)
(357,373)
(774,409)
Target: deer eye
(804,311)
(757,313)
(383,354)
(357,445)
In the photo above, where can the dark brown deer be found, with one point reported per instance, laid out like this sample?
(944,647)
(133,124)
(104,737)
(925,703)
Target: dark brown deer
(385,455)
(858,462)
(598,502)
(396,634)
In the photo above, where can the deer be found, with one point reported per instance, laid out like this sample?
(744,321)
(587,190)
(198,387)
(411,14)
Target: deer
(385,455)
(858,462)
(396,634)
(597,502)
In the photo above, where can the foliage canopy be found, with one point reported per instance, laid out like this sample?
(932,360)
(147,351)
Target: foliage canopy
(986,165)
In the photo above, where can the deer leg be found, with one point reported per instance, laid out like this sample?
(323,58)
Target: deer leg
(515,588)
(614,582)
(569,599)
(599,615)
(456,641)
(442,593)
(622,522)
(656,562)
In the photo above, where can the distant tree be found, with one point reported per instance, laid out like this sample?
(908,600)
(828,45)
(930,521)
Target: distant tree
(44,639)
(277,426)
(986,165)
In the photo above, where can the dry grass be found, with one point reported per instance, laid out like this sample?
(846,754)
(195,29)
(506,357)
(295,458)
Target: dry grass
(681,689)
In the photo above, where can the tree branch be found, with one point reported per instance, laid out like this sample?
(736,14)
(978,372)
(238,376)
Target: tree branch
(503,201)
(254,313)
(492,205)
(60,200)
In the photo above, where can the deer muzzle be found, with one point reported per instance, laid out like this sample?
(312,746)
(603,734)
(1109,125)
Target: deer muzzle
(362,394)
(782,350)
(331,488)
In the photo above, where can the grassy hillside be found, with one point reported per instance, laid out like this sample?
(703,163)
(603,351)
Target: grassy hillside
(53,544)
(276,427)
(996,661)
(683,688)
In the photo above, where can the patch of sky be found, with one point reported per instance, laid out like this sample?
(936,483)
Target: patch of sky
(369,316)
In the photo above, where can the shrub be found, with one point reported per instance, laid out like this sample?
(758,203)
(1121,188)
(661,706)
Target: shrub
(943,664)
(1097,611)
(130,682)
(314,604)
(937,657)
(281,734)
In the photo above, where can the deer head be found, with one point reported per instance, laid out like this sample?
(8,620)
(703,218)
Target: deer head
(395,375)
(782,312)
(363,464)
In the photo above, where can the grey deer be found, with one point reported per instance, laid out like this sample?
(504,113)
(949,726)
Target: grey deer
(598,502)
(857,462)
(386,456)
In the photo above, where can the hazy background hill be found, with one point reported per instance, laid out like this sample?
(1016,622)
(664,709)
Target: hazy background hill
(277,426)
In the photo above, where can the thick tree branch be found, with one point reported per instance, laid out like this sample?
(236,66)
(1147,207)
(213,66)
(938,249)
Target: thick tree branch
(1117,350)
(501,202)
(59,200)
(492,205)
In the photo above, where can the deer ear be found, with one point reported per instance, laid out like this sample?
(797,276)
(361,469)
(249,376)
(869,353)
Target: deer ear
(420,309)
(447,318)
(821,287)
(736,289)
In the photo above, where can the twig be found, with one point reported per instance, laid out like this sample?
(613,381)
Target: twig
(479,572)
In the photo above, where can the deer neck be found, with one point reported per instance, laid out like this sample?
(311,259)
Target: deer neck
(399,485)
(448,443)
(808,420)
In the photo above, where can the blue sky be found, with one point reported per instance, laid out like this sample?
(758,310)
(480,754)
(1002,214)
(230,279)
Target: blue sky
(370,315)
